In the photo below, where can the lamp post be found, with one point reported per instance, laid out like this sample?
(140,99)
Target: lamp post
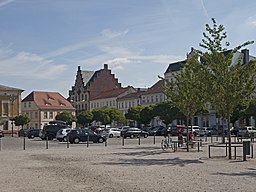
(12,99)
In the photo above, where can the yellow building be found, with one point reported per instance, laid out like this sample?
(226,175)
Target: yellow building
(10,106)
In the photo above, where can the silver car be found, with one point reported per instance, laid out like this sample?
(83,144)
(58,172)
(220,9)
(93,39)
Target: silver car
(62,134)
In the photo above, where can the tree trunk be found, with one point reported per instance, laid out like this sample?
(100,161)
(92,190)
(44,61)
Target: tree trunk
(187,135)
(229,139)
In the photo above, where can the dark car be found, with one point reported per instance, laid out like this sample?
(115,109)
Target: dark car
(32,133)
(51,130)
(23,132)
(134,132)
(82,135)
(159,130)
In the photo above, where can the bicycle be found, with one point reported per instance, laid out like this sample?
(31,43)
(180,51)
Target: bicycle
(166,143)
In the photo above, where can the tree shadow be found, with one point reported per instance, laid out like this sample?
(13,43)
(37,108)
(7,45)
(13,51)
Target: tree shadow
(150,162)
(251,173)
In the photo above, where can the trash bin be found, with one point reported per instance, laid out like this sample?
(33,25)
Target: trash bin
(252,136)
(246,147)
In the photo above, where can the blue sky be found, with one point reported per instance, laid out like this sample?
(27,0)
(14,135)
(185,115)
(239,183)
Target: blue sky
(42,42)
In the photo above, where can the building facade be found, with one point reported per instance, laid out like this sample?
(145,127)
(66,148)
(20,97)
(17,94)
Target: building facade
(90,85)
(10,106)
(42,107)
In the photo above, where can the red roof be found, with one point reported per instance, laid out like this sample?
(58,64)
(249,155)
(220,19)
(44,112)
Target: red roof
(158,87)
(112,93)
(49,100)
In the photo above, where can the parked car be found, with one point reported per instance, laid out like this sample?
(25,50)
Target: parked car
(159,131)
(81,135)
(1,133)
(134,132)
(32,133)
(246,131)
(195,130)
(124,129)
(211,131)
(61,135)
(202,131)
(23,132)
(51,131)
(112,132)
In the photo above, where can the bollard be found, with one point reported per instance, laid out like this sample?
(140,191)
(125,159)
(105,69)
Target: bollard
(139,139)
(88,141)
(198,146)
(46,140)
(67,138)
(154,139)
(0,143)
(24,143)
(106,143)
(123,141)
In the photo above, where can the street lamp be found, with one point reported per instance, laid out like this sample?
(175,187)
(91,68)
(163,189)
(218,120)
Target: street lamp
(12,99)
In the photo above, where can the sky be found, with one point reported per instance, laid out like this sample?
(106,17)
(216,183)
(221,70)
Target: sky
(42,42)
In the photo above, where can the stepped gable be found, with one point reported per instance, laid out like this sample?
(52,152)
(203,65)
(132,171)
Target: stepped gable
(95,82)
(48,100)
(156,88)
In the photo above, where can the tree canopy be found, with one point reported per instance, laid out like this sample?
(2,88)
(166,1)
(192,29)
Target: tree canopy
(67,117)
(21,120)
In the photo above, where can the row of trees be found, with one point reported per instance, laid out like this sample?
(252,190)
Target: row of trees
(210,76)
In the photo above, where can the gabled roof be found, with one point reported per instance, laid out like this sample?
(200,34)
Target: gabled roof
(87,75)
(134,95)
(112,93)
(158,87)
(49,100)
(175,66)
(6,88)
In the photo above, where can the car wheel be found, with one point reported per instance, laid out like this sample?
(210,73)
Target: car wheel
(131,136)
(111,135)
(100,140)
(32,137)
(76,140)
(60,140)
(146,135)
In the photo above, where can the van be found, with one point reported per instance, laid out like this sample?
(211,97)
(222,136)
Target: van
(51,131)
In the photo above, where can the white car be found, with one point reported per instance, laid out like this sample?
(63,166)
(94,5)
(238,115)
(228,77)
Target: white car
(112,132)
(246,131)
(62,134)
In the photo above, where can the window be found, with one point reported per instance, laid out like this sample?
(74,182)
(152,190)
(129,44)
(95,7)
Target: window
(29,104)
(51,115)
(45,115)
(25,105)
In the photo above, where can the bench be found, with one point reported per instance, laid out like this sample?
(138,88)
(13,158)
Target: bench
(235,145)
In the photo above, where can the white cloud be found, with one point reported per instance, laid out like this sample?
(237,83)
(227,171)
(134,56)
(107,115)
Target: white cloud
(111,34)
(28,65)
(5,2)
(252,21)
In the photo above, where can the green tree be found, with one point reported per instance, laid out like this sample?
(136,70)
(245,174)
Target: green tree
(186,92)
(21,120)
(228,84)
(146,115)
(167,113)
(134,113)
(84,118)
(67,117)
(107,115)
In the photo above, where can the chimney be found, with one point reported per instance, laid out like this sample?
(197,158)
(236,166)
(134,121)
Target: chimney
(245,56)
(79,68)
(105,66)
